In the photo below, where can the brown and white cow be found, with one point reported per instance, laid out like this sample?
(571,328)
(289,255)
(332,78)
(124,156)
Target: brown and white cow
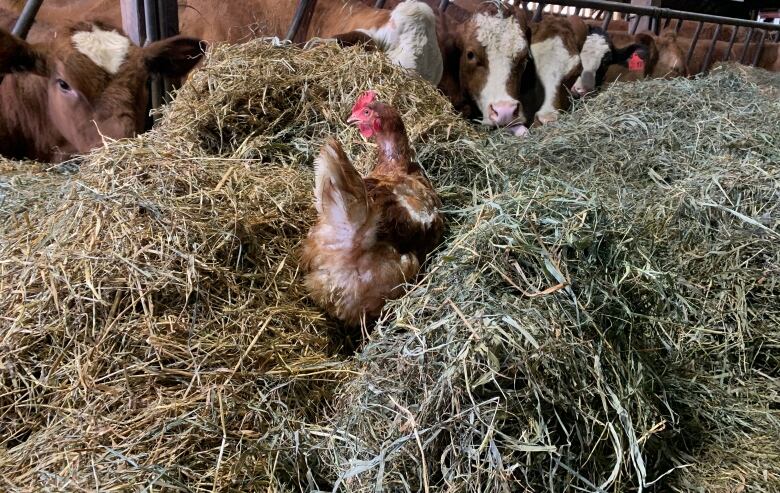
(596,55)
(406,33)
(485,55)
(555,47)
(62,97)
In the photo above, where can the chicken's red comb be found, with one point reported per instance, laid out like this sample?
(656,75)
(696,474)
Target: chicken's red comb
(365,99)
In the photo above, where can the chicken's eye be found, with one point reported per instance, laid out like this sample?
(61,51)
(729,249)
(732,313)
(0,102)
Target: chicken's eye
(366,112)
(471,56)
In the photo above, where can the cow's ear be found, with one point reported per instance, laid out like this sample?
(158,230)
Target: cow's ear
(174,56)
(17,55)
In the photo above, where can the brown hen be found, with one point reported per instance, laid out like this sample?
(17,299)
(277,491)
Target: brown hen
(372,233)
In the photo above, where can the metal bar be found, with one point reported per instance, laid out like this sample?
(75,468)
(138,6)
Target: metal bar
(26,19)
(678,26)
(538,14)
(711,49)
(151,21)
(300,12)
(693,43)
(667,21)
(577,10)
(664,12)
(731,44)
(379,4)
(605,24)
(635,25)
(168,13)
(443,4)
(656,25)
(168,23)
(748,38)
(759,48)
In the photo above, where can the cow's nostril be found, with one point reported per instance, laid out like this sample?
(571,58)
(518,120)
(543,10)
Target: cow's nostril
(503,112)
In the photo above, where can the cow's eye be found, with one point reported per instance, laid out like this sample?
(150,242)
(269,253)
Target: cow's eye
(471,56)
(63,85)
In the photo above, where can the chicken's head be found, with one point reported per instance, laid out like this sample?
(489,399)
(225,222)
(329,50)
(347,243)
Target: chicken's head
(365,116)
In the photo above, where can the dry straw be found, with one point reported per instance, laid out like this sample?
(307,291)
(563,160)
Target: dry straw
(605,312)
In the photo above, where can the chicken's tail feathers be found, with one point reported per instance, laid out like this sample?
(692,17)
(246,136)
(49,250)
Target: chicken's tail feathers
(340,193)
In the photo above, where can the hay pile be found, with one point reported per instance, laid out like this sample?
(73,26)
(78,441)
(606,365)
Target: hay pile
(605,312)
(154,326)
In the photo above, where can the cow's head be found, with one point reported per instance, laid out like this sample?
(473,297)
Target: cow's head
(633,58)
(671,57)
(411,39)
(493,49)
(557,63)
(95,78)
(596,57)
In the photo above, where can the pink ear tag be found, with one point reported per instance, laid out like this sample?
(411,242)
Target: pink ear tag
(635,63)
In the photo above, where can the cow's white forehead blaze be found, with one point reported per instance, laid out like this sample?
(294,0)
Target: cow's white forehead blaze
(593,51)
(503,39)
(107,49)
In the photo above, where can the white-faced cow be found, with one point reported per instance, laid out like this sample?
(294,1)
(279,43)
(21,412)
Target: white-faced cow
(555,48)
(626,57)
(406,33)
(485,54)
(61,97)
(596,54)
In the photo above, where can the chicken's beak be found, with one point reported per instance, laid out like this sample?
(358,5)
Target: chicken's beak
(353,119)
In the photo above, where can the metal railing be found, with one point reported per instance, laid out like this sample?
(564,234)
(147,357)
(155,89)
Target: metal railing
(26,19)
(656,14)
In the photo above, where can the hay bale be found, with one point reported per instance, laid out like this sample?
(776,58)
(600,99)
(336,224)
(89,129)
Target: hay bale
(605,308)
(154,327)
